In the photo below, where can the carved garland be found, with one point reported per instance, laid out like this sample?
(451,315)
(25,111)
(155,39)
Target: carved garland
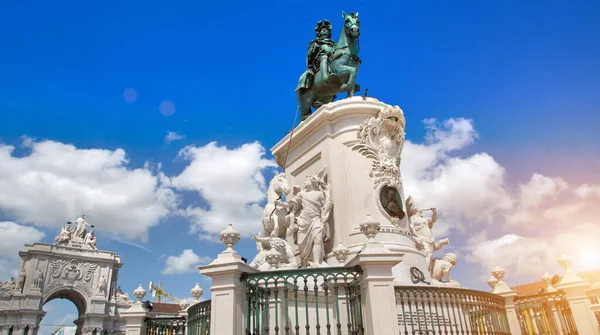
(381,139)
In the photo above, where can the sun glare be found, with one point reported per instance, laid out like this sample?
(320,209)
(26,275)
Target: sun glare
(588,258)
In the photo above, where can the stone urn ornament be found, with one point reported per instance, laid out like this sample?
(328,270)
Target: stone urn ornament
(370,228)
(230,237)
(341,253)
(196,292)
(139,293)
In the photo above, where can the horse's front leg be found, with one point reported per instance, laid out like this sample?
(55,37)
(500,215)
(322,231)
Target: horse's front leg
(350,85)
(275,232)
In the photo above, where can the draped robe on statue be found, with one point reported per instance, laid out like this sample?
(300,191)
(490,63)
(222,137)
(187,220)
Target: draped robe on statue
(422,230)
(310,225)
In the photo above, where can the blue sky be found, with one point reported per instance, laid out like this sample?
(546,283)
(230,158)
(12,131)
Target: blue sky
(525,76)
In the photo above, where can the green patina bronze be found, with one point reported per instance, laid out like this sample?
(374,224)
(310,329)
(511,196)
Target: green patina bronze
(331,67)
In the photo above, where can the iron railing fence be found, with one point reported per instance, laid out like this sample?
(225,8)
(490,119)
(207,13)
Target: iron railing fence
(305,301)
(443,310)
(545,313)
(165,326)
(199,318)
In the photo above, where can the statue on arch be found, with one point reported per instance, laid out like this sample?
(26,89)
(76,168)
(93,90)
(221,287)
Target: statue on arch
(8,287)
(102,285)
(312,223)
(80,227)
(21,281)
(65,235)
(421,228)
(38,279)
(90,240)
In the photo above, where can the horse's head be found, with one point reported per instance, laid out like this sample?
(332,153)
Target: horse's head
(351,24)
(280,184)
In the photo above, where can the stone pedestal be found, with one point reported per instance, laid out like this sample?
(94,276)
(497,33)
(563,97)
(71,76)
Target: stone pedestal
(228,294)
(511,311)
(575,290)
(135,319)
(358,141)
(377,288)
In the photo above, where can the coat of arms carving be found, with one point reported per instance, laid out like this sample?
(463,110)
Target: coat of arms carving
(71,273)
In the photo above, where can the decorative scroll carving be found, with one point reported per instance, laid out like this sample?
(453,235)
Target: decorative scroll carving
(72,274)
(381,139)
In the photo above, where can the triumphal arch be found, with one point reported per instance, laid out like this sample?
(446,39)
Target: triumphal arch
(71,268)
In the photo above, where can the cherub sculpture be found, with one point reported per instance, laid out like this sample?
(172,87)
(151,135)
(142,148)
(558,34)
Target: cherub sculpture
(441,270)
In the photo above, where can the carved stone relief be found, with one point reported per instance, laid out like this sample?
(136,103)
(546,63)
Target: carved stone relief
(71,273)
(381,139)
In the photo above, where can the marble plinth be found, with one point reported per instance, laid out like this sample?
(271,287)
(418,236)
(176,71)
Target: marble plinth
(330,139)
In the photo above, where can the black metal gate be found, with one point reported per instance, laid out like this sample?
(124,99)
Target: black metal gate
(165,326)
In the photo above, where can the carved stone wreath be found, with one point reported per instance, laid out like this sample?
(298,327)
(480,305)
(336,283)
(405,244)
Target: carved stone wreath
(381,139)
(71,273)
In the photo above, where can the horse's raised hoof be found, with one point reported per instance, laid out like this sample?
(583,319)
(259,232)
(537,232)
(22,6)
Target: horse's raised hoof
(344,88)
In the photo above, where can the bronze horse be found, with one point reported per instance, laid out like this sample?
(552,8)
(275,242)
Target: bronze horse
(343,67)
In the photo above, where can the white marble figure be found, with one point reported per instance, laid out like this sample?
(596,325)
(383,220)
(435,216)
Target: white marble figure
(38,279)
(8,287)
(276,217)
(312,230)
(21,281)
(80,228)
(65,235)
(122,298)
(102,285)
(441,270)
(287,258)
(90,240)
(420,227)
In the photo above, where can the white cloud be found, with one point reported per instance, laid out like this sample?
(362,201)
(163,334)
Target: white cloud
(557,217)
(465,190)
(525,229)
(14,236)
(230,181)
(173,136)
(527,258)
(186,262)
(586,191)
(532,196)
(541,188)
(54,182)
(519,256)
